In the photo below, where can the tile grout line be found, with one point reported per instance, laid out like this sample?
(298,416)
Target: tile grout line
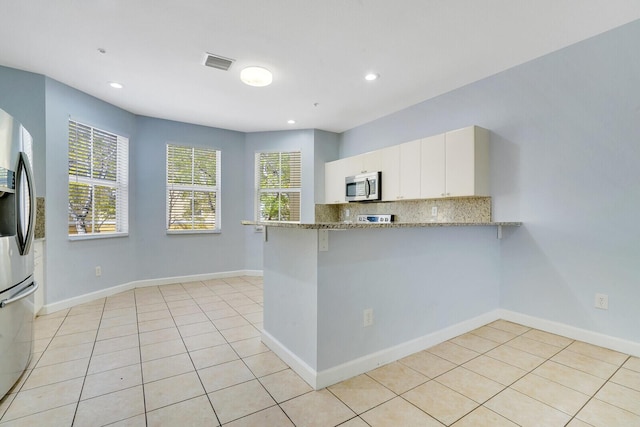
(144,396)
(226,341)
(593,396)
(84,379)
(215,413)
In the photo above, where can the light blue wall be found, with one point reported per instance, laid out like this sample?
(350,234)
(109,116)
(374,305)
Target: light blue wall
(22,96)
(565,155)
(70,265)
(416,280)
(293,288)
(44,106)
(161,255)
(326,146)
(312,158)
(274,141)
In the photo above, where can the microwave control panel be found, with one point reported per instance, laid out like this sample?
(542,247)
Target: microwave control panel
(379,219)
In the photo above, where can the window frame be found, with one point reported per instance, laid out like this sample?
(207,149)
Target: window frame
(258,190)
(215,189)
(120,184)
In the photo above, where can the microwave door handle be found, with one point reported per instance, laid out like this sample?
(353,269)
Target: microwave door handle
(367,188)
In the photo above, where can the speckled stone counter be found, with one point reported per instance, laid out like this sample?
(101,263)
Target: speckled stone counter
(39,227)
(346,226)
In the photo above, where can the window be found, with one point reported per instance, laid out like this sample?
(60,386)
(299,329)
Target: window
(278,186)
(98,182)
(193,186)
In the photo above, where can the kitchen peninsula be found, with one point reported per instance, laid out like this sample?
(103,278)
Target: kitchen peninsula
(413,284)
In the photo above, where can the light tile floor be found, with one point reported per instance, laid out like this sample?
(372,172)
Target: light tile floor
(190,354)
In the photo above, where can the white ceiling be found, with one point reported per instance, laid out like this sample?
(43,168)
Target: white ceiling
(318,50)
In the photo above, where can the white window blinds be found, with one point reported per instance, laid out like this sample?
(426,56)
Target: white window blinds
(98,181)
(278,186)
(193,189)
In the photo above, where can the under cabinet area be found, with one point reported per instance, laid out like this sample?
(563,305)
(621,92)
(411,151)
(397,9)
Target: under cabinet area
(452,164)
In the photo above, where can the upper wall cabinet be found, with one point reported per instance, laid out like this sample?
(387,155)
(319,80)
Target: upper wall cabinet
(365,163)
(401,171)
(335,172)
(455,164)
(334,175)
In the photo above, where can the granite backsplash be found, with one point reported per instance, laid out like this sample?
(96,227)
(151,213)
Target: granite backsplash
(39,226)
(463,209)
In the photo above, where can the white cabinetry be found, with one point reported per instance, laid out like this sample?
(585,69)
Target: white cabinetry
(452,164)
(410,169)
(432,174)
(401,171)
(390,173)
(456,164)
(364,163)
(334,174)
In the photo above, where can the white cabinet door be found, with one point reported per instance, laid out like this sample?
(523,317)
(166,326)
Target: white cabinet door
(467,162)
(365,163)
(401,171)
(390,158)
(456,164)
(334,175)
(432,173)
(410,169)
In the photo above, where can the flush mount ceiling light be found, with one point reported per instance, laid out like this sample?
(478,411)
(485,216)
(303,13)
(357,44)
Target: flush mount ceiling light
(371,77)
(256,76)
(115,85)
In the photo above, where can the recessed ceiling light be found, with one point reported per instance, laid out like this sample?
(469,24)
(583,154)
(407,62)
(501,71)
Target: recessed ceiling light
(256,76)
(371,77)
(291,122)
(116,85)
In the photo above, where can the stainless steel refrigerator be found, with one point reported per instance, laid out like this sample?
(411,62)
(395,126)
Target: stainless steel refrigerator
(17,220)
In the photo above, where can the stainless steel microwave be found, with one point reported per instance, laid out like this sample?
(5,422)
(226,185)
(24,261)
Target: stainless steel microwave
(364,187)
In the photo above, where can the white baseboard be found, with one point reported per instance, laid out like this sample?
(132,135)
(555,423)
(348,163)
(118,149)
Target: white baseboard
(81,299)
(306,372)
(363,364)
(327,377)
(591,337)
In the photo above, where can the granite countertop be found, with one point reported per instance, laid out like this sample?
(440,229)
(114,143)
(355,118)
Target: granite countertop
(345,226)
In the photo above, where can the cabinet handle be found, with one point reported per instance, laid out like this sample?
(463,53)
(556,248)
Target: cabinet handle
(442,194)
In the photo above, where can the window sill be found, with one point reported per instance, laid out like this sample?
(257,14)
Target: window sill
(78,237)
(179,232)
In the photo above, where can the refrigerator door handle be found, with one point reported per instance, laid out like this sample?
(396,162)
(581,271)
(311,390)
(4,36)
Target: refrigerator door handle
(24,170)
(29,290)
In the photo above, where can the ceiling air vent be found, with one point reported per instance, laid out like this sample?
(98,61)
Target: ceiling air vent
(219,62)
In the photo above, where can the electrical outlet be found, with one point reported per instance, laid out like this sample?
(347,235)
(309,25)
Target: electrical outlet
(434,211)
(602,301)
(367,317)
(98,271)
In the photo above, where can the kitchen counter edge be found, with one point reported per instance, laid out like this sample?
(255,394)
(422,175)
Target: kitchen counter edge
(346,226)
